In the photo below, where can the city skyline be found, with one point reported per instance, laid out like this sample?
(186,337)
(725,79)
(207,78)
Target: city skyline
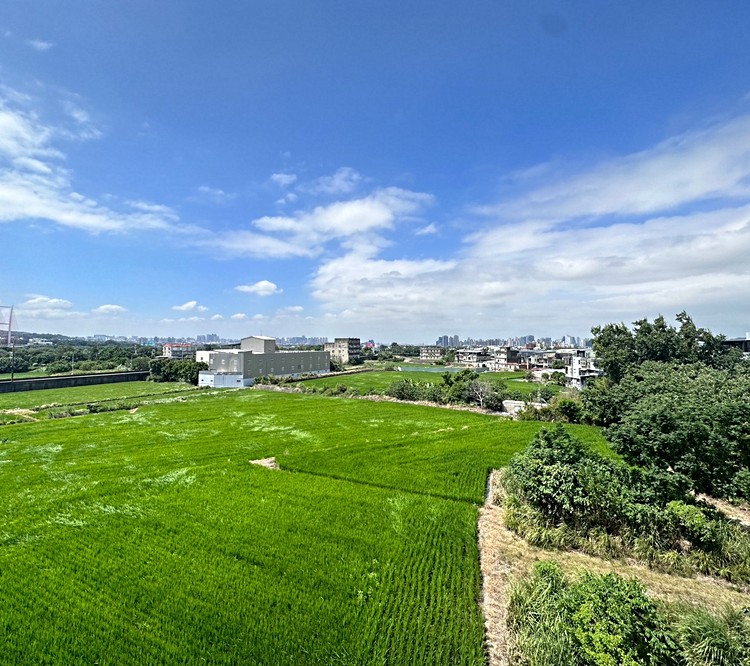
(374,169)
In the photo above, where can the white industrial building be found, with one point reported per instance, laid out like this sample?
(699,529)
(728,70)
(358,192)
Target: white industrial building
(257,357)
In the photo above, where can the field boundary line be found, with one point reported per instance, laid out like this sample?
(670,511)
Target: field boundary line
(380,486)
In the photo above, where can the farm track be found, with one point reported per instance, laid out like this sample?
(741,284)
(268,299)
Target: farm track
(495,579)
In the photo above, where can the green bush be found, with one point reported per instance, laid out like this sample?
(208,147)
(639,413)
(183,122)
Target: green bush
(598,621)
(563,495)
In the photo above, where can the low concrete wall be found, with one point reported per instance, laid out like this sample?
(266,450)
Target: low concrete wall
(71,380)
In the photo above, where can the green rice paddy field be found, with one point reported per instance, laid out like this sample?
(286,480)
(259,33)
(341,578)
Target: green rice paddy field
(147,537)
(378,381)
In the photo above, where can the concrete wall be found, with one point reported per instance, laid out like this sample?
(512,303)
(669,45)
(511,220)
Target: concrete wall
(219,380)
(71,380)
(280,364)
(258,344)
(250,365)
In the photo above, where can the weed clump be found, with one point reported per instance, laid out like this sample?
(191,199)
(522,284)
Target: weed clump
(607,620)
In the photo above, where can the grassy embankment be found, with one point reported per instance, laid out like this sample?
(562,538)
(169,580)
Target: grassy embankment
(147,537)
(24,406)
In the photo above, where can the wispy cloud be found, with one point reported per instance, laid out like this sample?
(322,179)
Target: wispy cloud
(260,288)
(190,306)
(214,194)
(283,179)
(40,45)
(701,165)
(109,309)
(35,184)
(344,181)
(427,230)
(239,316)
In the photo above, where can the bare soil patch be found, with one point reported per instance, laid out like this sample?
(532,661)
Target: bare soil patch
(269,463)
(739,513)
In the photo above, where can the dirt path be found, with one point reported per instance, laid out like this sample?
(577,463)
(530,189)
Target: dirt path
(496,573)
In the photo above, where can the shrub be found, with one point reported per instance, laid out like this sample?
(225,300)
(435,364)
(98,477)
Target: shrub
(600,620)
(562,494)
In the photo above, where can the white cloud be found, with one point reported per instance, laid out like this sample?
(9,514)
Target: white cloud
(190,306)
(239,316)
(291,309)
(216,317)
(34,184)
(710,163)
(306,233)
(283,179)
(39,44)
(240,243)
(215,194)
(259,317)
(656,232)
(38,306)
(109,309)
(165,212)
(426,230)
(261,288)
(343,181)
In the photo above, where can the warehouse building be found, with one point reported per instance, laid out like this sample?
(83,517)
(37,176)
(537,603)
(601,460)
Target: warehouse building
(257,357)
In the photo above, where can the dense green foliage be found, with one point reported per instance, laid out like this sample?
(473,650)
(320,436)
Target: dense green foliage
(75,356)
(692,419)
(618,349)
(562,494)
(176,370)
(605,620)
(675,400)
(146,536)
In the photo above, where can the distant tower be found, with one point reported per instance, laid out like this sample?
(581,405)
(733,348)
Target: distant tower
(6,325)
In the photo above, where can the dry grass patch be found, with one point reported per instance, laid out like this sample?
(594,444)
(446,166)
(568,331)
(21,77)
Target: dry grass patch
(269,463)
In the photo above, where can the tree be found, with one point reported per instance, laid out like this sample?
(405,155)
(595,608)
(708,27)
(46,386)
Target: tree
(458,384)
(558,378)
(691,420)
(139,363)
(175,370)
(614,347)
(485,394)
(618,349)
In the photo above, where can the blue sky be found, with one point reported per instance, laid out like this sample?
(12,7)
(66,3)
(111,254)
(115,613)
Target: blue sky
(387,170)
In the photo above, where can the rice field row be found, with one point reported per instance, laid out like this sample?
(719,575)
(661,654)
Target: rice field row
(378,381)
(147,537)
